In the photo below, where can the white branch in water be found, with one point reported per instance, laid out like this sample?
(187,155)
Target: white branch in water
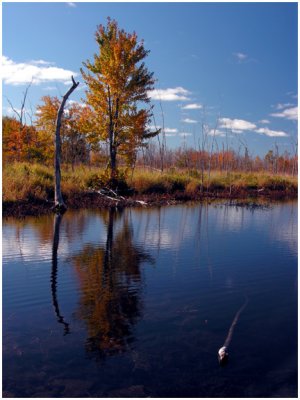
(234,322)
(141,202)
(223,353)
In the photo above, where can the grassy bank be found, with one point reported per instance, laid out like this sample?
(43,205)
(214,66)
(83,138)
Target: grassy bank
(25,183)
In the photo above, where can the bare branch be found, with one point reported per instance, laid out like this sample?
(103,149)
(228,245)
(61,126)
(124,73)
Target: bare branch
(14,110)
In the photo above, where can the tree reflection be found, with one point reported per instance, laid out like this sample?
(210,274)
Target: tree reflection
(111,287)
(55,243)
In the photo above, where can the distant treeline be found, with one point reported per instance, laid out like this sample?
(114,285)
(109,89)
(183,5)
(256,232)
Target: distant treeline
(34,143)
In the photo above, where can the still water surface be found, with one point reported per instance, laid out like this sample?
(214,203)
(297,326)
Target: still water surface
(137,303)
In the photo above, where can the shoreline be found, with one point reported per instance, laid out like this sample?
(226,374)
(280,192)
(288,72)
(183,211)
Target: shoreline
(94,200)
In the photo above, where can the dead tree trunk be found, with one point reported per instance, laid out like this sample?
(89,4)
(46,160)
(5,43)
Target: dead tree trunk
(60,318)
(59,204)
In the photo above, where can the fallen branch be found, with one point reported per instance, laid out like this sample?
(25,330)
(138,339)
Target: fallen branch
(104,192)
(106,196)
(143,203)
(108,190)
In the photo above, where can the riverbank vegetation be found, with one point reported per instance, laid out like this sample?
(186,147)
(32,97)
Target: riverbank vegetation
(108,142)
(25,182)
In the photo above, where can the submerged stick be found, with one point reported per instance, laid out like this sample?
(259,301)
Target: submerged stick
(223,351)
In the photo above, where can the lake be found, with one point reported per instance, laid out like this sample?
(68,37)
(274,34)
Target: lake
(137,303)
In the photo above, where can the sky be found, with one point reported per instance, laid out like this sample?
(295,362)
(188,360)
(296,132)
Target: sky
(228,67)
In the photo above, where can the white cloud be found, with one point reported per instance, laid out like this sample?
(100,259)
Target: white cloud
(184,134)
(216,132)
(236,125)
(38,72)
(167,130)
(289,113)
(71,103)
(171,130)
(271,133)
(281,106)
(193,106)
(240,56)
(153,127)
(49,88)
(41,62)
(70,4)
(171,134)
(264,121)
(170,94)
(189,121)
(10,111)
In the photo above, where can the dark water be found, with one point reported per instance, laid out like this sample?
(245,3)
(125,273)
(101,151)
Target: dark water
(137,303)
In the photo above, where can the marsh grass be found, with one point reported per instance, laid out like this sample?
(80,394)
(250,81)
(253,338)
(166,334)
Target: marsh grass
(24,181)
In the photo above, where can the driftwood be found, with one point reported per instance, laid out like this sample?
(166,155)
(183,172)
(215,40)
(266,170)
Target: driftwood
(112,195)
(143,203)
(59,204)
(106,191)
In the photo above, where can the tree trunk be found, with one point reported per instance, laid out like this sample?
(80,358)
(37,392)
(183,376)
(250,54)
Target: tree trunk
(59,204)
(60,318)
(113,163)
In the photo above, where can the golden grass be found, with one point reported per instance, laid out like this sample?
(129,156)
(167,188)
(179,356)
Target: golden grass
(24,181)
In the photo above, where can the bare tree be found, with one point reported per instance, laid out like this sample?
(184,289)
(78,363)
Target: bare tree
(21,116)
(294,144)
(59,204)
(202,151)
(164,143)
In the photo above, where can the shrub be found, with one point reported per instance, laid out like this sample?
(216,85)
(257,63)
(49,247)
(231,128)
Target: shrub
(176,183)
(101,180)
(193,187)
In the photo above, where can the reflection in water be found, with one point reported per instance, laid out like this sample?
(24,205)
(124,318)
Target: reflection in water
(60,318)
(206,256)
(110,280)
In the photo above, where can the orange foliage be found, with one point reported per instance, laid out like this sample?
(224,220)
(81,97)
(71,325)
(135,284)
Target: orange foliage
(117,80)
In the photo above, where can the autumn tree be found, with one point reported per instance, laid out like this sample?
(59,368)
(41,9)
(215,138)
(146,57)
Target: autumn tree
(117,82)
(46,113)
(77,136)
(22,143)
(12,136)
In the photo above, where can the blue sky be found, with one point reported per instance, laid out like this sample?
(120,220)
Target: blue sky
(229,66)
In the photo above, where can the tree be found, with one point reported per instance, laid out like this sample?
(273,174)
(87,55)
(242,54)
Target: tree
(45,122)
(12,135)
(117,81)
(59,204)
(21,116)
(270,159)
(21,143)
(77,136)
